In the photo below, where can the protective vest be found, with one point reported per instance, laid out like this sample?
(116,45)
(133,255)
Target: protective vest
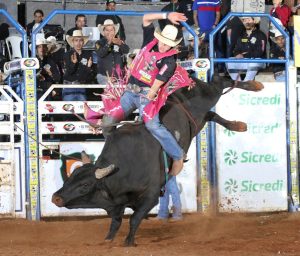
(144,66)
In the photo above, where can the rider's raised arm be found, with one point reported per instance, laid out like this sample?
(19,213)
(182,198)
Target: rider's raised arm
(174,17)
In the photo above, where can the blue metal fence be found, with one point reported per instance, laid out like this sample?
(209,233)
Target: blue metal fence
(223,60)
(23,33)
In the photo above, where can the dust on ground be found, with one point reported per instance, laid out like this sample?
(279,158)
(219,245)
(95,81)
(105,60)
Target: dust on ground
(197,234)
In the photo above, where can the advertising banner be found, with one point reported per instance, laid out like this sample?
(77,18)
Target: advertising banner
(252,166)
(65,107)
(297,40)
(53,172)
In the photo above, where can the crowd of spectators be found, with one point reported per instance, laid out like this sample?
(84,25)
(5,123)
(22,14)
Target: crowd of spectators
(72,63)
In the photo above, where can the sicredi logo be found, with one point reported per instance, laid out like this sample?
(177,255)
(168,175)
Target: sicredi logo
(232,186)
(248,99)
(257,129)
(231,157)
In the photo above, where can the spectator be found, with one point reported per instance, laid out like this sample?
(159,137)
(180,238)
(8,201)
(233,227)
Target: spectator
(235,28)
(111,6)
(111,51)
(185,6)
(277,51)
(187,52)
(206,15)
(170,7)
(48,72)
(38,18)
(221,37)
(80,22)
(282,12)
(4,32)
(78,67)
(251,44)
(56,52)
(173,191)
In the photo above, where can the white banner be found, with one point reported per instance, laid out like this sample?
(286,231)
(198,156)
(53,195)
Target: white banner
(252,166)
(53,171)
(71,127)
(64,107)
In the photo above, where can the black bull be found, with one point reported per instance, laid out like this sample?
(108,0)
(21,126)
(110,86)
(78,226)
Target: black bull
(136,158)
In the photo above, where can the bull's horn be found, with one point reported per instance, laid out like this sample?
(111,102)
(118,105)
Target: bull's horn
(100,173)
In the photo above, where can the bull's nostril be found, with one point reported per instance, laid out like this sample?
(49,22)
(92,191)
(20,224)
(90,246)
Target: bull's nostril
(58,201)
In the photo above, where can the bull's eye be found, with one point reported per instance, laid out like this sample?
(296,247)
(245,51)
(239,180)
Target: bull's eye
(85,185)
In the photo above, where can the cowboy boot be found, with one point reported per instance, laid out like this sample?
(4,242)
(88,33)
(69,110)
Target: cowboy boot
(91,115)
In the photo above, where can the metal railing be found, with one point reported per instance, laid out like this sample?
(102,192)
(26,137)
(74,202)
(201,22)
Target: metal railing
(245,60)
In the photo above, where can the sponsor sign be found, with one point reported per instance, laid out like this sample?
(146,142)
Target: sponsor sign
(32,144)
(297,40)
(65,128)
(252,167)
(63,107)
(21,64)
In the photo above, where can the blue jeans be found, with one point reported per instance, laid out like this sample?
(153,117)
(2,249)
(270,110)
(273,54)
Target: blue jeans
(131,101)
(173,191)
(74,97)
(101,79)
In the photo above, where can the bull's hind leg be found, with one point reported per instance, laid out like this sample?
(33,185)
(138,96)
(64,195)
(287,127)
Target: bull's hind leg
(230,125)
(139,214)
(116,221)
(254,86)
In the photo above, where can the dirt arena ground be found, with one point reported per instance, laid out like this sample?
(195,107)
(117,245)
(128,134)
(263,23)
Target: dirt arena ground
(240,235)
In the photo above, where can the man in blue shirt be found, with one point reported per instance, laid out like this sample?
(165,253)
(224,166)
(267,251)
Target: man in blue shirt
(206,15)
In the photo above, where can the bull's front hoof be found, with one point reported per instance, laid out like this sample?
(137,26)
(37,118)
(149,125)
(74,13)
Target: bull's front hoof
(108,240)
(237,126)
(254,86)
(129,243)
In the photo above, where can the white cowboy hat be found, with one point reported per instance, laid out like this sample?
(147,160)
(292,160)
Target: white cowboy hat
(53,46)
(77,33)
(39,41)
(167,35)
(108,22)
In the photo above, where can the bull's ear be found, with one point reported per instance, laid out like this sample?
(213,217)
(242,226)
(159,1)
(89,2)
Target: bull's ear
(100,173)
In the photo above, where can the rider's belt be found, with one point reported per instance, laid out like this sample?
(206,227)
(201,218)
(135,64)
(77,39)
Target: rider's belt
(135,88)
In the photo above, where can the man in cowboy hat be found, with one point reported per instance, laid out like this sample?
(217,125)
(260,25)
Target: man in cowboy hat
(78,66)
(48,72)
(110,52)
(251,44)
(56,52)
(150,71)
(111,6)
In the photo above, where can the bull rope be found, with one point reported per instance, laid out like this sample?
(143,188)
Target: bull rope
(97,126)
(52,150)
(187,112)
